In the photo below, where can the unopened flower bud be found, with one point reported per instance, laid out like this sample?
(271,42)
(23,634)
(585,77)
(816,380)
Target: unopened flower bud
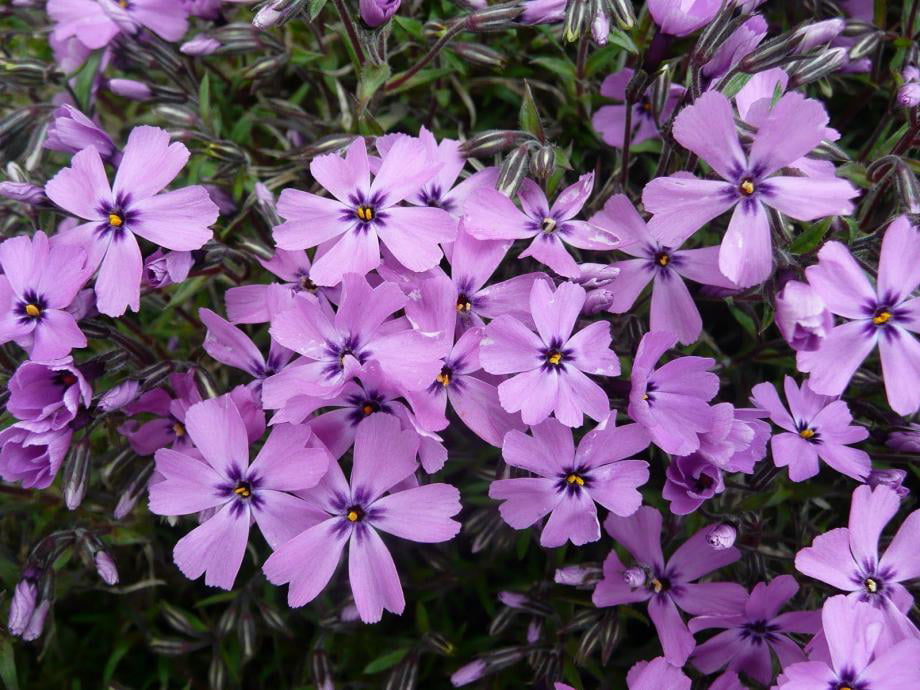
(130,88)
(534,629)
(23,192)
(721,537)
(25,597)
(513,170)
(634,577)
(597,301)
(909,95)
(377,12)
(908,189)
(543,162)
(512,599)
(76,474)
(492,141)
(600,26)
(865,46)
(200,45)
(266,18)
(771,53)
(818,33)
(893,479)
(818,67)
(801,316)
(106,568)
(497,18)
(479,54)
(623,13)
(576,19)
(469,673)
(577,575)
(37,622)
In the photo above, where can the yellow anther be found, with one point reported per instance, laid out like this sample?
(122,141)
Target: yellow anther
(243,490)
(747,187)
(33,310)
(353,516)
(443,379)
(663,259)
(115,220)
(575,479)
(807,433)
(464,305)
(645,396)
(549,224)
(881,318)
(871,585)
(178,429)
(365,213)
(368,409)
(657,585)
(554,358)
(123,4)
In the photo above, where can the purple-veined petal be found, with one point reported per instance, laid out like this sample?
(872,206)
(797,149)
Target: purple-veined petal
(422,514)
(215,548)
(373,576)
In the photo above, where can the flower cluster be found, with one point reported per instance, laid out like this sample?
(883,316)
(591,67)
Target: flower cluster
(561,344)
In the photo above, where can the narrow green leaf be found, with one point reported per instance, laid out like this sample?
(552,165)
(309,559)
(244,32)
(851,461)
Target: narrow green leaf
(809,240)
(381,663)
(529,116)
(315,7)
(84,79)
(622,39)
(735,84)
(8,665)
(372,78)
(747,323)
(204,98)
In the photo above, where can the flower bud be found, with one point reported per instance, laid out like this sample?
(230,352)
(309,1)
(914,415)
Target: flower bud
(908,189)
(37,622)
(577,575)
(492,141)
(817,68)
(865,46)
(600,26)
(497,18)
(534,629)
(801,316)
(721,537)
(130,88)
(266,18)
(377,12)
(513,170)
(772,53)
(469,673)
(23,192)
(25,597)
(479,54)
(597,301)
(543,162)
(623,13)
(106,568)
(513,599)
(819,33)
(76,473)
(200,45)
(909,95)
(893,479)
(634,577)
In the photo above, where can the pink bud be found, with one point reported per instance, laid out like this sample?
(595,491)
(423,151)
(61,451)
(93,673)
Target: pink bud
(801,316)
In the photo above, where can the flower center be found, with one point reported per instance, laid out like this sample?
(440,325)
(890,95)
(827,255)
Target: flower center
(444,377)
(178,429)
(575,479)
(65,378)
(307,284)
(369,408)
(662,259)
(871,585)
(354,514)
(746,187)
(243,490)
(115,220)
(365,213)
(659,585)
(463,303)
(123,4)
(33,310)
(882,316)
(807,433)
(549,224)
(554,358)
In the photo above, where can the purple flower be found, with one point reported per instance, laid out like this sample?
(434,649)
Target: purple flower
(490,215)
(23,192)
(657,674)
(22,606)
(666,266)
(801,316)
(45,396)
(886,315)
(569,482)
(682,17)
(229,345)
(690,481)
(860,658)
(847,558)
(40,280)
(681,204)
(737,439)
(96,22)
(32,458)
(721,537)
(234,491)
(893,479)
(71,131)
(550,367)
(177,220)
(376,12)
(669,585)
(354,511)
(167,268)
(468,673)
(671,401)
(106,568)
(334,346)
(754,629)
(168,427)
(363,213)
(816,426)
(610,120)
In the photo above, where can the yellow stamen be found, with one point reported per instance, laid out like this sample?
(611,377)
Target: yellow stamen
(657,585)
(115,220)
(645,396)
(352,516)
(549,224)
(747,187)
(32,310)
(123,4)
(663,259)
(243,491)
(443,379)
(178,429)
(871,585)
(365,213)
(554,358)
(575,479)
(881,318)
(463,305)
(807,433)
(368,409)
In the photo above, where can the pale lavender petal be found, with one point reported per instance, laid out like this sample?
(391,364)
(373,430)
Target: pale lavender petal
(311,220)
(828,559)
(307,561)
(217,430)
(405,168)
(795,452)
(573,519)
(550,251)
(526,500)
(422,514)
(178,220)
(190,485)
(341,176)
(555,312)
(620,217)
(900,353)
(837,358)
(215,548)
(56,335)
(281,516)
(118,284)
(852,462)
(591,351)
(695,558)
(746,257)
(578,394)
(81,187)
(895,668)
(357,251)
(285,463)
(673,308)
(640,534)
(902,554)
(615,486)
(477,405)
(634,275)
(413,233)
(764,395)
(707,128)
(384,455)
(509,347)
(899,263)
(676,641)
(701,266)
(683,204)
(373,576)
(229,345)
(149,163)
(534,394)
(776,144)
(490,215)
(870,510)
(809,198)
(547,452)
(840,281)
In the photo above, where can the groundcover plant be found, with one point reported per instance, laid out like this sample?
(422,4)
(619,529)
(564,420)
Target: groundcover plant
(542,343)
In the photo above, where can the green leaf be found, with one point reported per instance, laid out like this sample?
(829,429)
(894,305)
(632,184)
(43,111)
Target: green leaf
(809,240)
(622,39)
(204,98)
(564,68)
(747,323)
(413,27)
(529,116)
(423,77)
(8,665)
(735,84)
(314,8)
(372,78)
(121,648)
(84,78)
(381,663)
